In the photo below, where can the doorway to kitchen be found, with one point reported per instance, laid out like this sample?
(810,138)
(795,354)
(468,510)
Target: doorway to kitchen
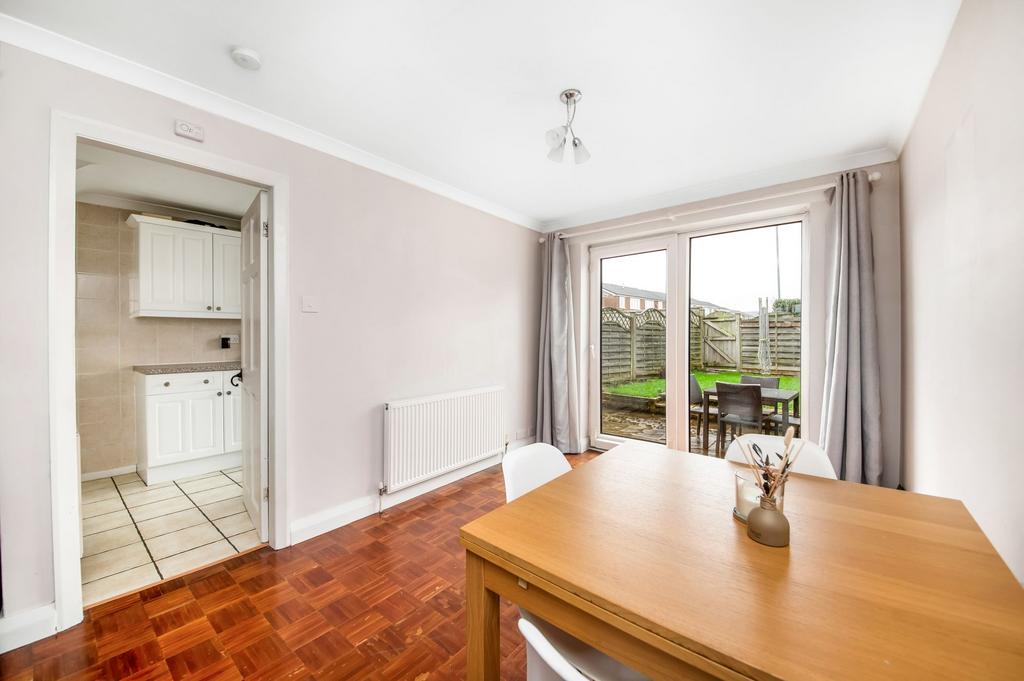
(165,418)
(163,375)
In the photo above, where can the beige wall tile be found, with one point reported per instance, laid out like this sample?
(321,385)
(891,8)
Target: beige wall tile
(127,263)
(96,360)
(97,215)
(99,436)
(174,340)
(101,238)
(98,457)
(98,385)
(96,316)
(97,262)
(128,240)
(104,338)
(96,286)
(101,410)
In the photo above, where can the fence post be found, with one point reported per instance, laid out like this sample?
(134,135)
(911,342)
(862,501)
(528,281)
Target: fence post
(739,342)
(700,336)
(632,347)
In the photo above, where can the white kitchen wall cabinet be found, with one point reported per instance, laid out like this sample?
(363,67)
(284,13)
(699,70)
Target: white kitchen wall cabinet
(227,275)
(187,424)
(185,270)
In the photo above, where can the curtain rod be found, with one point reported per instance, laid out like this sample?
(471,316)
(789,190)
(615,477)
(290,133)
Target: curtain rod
(872,177)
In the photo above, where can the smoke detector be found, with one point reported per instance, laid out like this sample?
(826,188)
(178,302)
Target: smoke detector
(247,58)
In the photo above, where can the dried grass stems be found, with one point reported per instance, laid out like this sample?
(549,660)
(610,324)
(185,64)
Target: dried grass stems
(771,477)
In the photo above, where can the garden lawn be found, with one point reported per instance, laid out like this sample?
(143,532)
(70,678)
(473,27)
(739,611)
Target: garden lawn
(656,386)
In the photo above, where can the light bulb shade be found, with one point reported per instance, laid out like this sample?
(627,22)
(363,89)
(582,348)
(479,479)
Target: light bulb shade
(579,152)
(556,136)
(557,152)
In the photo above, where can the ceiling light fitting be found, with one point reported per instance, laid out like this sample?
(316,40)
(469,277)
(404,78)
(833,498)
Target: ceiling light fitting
(246,58)
(556,137)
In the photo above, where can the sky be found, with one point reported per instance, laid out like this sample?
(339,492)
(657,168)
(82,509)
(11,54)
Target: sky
(731,269)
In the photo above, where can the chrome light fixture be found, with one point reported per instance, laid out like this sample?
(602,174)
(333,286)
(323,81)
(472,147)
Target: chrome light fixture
(556,137)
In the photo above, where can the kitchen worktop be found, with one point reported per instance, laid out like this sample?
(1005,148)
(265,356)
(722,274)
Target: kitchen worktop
(186,368)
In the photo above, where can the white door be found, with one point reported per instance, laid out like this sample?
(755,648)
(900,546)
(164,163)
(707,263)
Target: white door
(255,492)
(227,280)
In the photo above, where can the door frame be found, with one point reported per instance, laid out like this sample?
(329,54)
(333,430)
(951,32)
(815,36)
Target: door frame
(807,294)
(667,243)
(65,132)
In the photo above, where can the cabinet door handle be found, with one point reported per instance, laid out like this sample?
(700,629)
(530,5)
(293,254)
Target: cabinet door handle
(209,307)
(206,380)
(218,307)
(229,392)
(219,394)
(167,384)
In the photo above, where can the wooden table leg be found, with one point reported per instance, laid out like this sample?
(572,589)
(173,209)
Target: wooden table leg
(482,623)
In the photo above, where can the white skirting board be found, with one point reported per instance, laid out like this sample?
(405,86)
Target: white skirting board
(22,628)
(332,518)
(96,475)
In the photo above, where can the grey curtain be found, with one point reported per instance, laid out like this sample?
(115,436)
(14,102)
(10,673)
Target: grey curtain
(557,387)
(851,408)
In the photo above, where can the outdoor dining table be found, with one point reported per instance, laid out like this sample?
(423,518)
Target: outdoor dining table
(769,397)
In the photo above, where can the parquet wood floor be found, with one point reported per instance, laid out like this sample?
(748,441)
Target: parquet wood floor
(382,598)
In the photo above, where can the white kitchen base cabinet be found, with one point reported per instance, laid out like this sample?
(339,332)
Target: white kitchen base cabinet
(185,270)
(188,424)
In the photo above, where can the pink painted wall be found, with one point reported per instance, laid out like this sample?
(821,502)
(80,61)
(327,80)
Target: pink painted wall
(963,232)
(446,298)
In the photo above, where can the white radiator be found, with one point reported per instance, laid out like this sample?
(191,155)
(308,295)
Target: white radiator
(430,436)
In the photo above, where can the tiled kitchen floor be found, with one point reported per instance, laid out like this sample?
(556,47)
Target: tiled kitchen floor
(135,535)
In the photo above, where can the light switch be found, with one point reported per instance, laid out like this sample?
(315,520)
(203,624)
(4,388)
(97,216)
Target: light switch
(310,304)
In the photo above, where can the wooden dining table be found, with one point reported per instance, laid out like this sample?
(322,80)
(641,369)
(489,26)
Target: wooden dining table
(788,402)
(637,553)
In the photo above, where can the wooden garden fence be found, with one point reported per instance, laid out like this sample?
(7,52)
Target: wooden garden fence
(729,340)
(633,343)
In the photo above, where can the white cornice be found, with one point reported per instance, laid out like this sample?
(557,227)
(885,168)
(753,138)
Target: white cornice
(725,187)
(61,48)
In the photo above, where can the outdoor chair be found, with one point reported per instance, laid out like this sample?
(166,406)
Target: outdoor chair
(739,407)
(771,382)
(763,381)
(773,424)
(697,404)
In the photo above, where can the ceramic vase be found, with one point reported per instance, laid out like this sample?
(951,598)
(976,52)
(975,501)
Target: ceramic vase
(767,525)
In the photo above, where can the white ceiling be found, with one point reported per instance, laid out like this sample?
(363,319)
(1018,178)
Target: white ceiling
(127,176)
(680,98)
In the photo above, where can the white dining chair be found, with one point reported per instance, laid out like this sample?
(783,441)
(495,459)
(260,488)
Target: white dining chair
(812,460)
(552,654)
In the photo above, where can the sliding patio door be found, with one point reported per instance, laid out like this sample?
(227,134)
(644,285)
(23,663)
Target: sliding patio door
(744,302)
(632,350)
